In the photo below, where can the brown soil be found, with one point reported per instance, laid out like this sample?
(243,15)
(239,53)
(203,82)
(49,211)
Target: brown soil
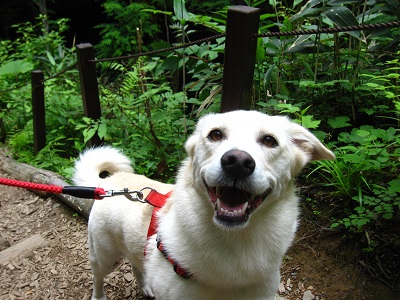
(320,264)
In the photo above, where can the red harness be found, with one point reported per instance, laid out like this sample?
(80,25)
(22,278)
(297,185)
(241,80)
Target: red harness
(158,200)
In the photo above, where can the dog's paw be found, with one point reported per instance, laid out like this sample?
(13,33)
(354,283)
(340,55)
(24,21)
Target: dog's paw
(147,292)
(100,298)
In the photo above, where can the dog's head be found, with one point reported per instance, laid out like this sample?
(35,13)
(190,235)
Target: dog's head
(242,159)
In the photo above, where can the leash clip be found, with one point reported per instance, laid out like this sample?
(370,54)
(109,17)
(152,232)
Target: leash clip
(131,195)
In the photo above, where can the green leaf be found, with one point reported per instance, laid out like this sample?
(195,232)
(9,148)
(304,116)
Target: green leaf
(296,2)
(102,130)
(260,52)
(268,74)
(16,66)
(308,122)
(339,122)
(394,186)
(308,70)
(308,10)
(341,2)
(88,134)
(362,222)
(180,11)
(387,216)
(341,16)
(51,58)
(334,225)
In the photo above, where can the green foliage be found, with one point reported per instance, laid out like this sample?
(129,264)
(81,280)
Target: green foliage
(36,49)
(384,84)
(126,23)
(366,162)
(381,204)
(154,119)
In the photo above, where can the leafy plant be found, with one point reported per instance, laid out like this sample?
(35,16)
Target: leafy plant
(385,84)
(382,203)
(119,35)
(362,173)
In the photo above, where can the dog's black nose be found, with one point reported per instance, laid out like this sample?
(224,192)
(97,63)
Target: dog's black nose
(237,163)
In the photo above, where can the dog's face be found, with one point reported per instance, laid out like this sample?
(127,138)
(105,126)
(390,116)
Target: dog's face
(242,159)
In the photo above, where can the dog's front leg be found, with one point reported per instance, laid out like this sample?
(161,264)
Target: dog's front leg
(98,289)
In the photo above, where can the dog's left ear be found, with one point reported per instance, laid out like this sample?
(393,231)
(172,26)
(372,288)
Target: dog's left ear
(309,144)
(191,144)
(307,148)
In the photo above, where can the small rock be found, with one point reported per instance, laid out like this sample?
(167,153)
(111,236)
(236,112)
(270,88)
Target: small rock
(128,277)
(281,288)
(34,276)
(308,295)
(128,292)
(4,244)
(288,282)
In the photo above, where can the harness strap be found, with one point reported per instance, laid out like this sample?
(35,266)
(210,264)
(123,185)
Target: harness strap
(158,200)
(177,268)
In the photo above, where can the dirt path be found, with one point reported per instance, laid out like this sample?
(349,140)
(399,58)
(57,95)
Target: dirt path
(314,269)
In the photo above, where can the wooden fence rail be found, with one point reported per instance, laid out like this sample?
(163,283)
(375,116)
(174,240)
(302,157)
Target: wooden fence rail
(240,53)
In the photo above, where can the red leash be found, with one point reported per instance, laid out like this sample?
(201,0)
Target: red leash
(77,191)
(154,198)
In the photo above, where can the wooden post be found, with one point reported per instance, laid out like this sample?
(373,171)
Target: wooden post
(39,123)
(240,57)
(89,87)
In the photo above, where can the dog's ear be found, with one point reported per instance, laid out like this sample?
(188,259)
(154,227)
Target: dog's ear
(309,144)
(191,144)
(192,141)
(307,148)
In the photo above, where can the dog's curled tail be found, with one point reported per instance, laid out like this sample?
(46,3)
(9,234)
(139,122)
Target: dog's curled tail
(97,163)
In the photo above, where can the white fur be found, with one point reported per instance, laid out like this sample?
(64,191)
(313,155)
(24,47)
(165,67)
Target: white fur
(227,262)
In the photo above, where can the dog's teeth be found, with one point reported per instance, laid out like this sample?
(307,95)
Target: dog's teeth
(218,205)
(244,207)
(230,213)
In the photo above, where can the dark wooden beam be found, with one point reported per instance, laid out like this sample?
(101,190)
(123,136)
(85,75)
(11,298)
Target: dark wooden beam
(39,121)
(240,57)
(89,86)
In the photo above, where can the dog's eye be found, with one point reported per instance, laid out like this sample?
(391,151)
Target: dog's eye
(215,135)
(269,141)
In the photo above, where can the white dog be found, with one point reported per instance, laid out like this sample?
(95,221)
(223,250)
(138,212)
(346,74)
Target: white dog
(230,218)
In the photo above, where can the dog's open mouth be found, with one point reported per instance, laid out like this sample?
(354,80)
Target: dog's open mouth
(233,206)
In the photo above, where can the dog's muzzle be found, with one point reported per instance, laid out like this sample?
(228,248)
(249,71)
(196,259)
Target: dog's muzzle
(232,201)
